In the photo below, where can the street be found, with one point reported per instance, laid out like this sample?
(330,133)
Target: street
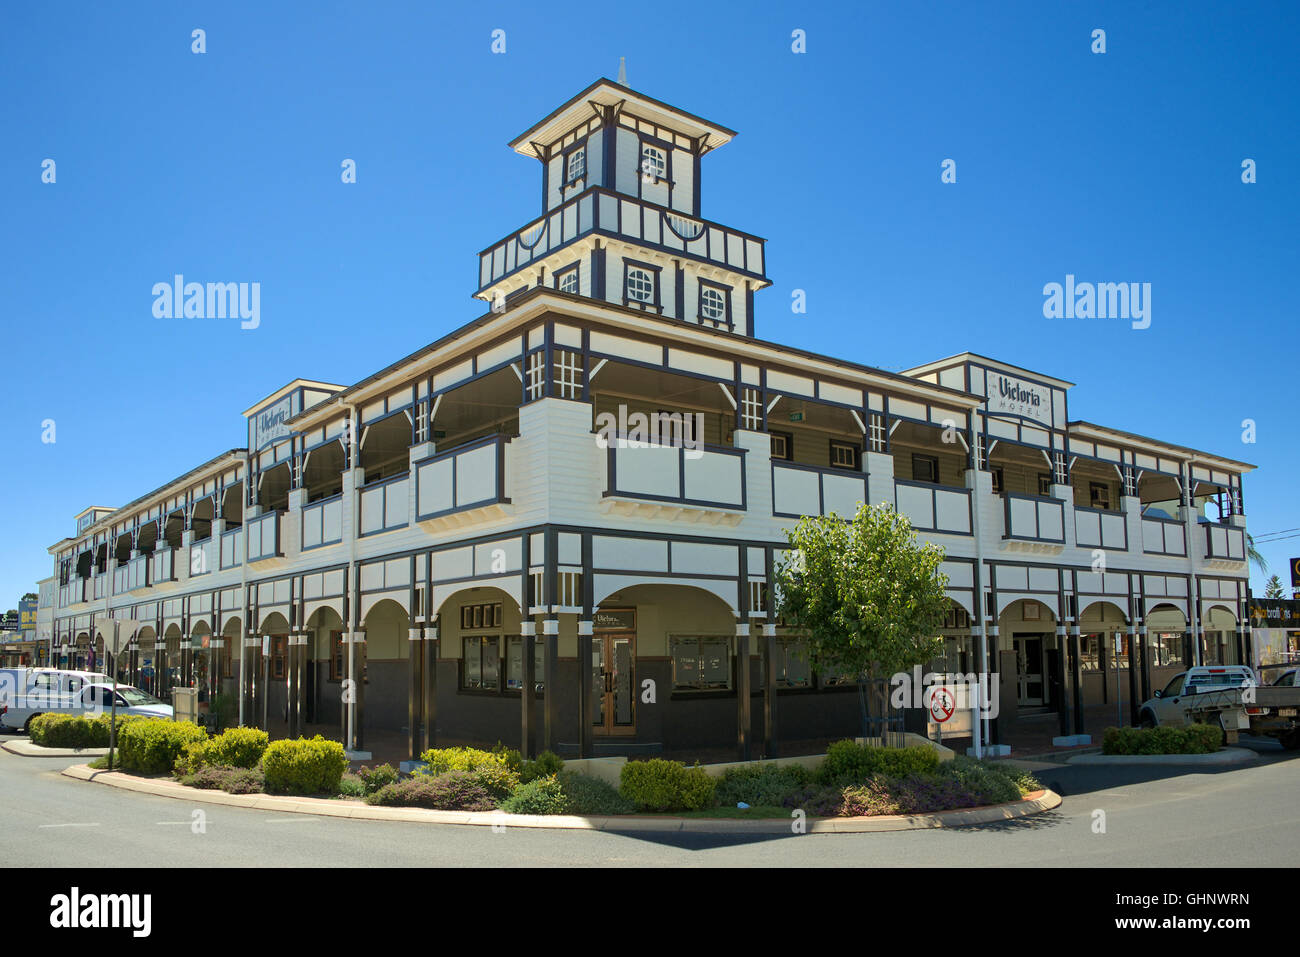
(1153,817)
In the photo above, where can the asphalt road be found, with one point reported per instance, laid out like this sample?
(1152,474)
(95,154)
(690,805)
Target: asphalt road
(1153,817)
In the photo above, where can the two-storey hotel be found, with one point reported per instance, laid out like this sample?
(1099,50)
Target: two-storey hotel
(459,547)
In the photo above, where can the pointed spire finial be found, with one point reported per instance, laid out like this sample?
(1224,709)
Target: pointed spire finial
(622,71)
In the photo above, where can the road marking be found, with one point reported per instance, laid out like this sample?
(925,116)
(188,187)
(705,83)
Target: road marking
(288,820)
(69,825)
(171,822)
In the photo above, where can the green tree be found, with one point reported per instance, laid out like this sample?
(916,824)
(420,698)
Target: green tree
(868,597)
(1273,588)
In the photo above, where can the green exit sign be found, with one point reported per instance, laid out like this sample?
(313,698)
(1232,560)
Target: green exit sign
(796,416)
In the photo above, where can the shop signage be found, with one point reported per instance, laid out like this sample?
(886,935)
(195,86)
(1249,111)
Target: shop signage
(268,425)
(1295,573)
(1008,395)
(623,620)
(1275,613)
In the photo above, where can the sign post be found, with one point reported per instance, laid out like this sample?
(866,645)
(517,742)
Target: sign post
(117,634)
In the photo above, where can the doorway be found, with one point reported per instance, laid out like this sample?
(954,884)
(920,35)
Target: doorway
(613,660)
(1030,686)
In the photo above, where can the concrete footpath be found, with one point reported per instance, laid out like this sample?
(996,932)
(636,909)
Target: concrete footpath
(24,748)
(351,808)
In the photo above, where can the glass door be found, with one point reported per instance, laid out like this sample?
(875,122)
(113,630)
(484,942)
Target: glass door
(1029,671)
(613,657)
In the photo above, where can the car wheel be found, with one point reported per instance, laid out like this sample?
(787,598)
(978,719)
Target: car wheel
(1223,733)
(27,725)
(1147,720)
(1291,740)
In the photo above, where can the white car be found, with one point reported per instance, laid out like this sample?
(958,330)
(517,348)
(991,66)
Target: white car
(28,692)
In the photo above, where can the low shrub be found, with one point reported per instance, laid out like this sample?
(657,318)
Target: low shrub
(1024,781)
(544,795)
(816,800)
(985,784)
(352,785)
(375,778)
(152,745)
(452,791)
(230,779)
(546,764)
(659,785)
(850,763)
(876,797)
(67,731)
(1193,739)
(233,748)
(588,795)
(761,784)
(497,771)
(924,793)
(304,766)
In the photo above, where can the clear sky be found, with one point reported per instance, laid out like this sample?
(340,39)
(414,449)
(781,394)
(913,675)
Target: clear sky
(225,166)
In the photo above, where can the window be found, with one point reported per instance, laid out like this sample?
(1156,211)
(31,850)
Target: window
(782,446)
(1044,483)
(925,468)
(793,669)
(515,663)
(640,285)
(844,455)
(1173,687)
(654,165)
(481,616)
(482,663)
(567,281)
(279,650)
(339,660)
(568,374)
(577,166)
(997,481)
(751,409)
(713,305)
(1098,495)
(536,374)
(701,663)
(338,667)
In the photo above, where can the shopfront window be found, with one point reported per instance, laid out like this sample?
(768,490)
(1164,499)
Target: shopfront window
(515,663)
(793,669)
(481,666)
(1166,649)
(701,663)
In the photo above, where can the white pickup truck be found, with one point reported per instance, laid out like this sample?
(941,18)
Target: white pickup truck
(1230,697)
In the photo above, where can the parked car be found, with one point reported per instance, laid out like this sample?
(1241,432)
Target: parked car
(28,692)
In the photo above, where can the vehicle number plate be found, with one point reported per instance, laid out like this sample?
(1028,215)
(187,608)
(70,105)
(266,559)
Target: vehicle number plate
(1286,712)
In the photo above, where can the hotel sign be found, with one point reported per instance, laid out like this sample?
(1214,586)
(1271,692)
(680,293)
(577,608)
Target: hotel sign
(1008,395)
(268,425)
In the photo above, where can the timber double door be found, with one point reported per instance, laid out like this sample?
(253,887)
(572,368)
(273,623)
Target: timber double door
(613,665)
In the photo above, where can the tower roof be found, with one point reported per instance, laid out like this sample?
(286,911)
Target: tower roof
(606,93)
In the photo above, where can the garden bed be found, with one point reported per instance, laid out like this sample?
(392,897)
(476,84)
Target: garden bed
(852,781)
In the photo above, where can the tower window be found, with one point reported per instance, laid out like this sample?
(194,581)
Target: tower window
(654,164)
(567,281)
(713,306)
(577,166)
(640,285)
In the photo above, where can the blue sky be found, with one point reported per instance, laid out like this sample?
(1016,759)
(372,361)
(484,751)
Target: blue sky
(1122,166)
